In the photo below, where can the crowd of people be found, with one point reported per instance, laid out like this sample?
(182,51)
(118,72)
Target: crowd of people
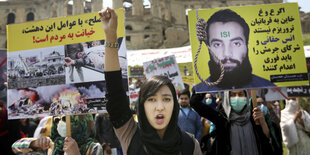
(167,123)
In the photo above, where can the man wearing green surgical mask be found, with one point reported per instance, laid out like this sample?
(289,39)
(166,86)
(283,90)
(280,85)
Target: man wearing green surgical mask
(239,129)
(238,100)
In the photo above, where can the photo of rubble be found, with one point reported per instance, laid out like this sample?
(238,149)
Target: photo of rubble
(84,62)
(36,67)
(57,100)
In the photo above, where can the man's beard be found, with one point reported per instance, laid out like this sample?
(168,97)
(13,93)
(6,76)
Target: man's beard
(237,77)
(184,105)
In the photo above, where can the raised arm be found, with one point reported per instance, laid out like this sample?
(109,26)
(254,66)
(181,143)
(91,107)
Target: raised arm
(109,22)
(118,103)
(205,111)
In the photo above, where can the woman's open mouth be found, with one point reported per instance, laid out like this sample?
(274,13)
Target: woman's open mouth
(159,119)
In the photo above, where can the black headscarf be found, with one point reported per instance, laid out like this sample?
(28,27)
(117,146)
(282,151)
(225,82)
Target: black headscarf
(171,142)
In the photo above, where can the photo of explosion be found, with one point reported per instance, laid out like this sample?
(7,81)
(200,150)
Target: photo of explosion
(54,100)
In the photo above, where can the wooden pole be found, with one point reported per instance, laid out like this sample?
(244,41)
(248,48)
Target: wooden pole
(254,101)
(68,125)
(298,102)
(253,96)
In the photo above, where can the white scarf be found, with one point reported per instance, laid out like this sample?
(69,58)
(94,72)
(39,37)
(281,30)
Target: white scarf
(290,136)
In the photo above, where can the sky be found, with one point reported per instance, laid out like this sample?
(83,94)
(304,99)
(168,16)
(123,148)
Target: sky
(109,3)
(304,4)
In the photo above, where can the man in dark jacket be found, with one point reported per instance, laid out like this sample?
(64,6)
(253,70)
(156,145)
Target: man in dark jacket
(9,131)
(105,134)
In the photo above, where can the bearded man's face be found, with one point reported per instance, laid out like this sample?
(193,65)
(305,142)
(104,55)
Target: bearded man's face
(228,42)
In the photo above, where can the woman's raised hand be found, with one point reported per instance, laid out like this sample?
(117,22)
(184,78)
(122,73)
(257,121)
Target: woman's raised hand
(109,22)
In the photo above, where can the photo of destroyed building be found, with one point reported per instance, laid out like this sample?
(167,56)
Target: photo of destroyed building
(37,67)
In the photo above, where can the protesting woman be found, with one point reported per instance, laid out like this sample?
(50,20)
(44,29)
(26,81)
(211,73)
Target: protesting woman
(157,110)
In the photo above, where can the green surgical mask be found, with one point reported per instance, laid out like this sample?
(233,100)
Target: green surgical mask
(208,101)
(238,103)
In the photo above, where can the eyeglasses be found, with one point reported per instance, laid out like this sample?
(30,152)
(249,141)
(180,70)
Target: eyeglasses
(58,118)
(260,103)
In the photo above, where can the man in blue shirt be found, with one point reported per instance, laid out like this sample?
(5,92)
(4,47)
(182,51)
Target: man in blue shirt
(189,120)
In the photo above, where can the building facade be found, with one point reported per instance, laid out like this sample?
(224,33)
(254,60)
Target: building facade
(163,24)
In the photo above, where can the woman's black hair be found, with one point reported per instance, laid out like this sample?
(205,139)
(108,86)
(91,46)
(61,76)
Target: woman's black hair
(171,140)
(150,87)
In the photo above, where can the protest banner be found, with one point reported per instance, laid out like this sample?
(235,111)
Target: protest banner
(273,94)
(136,71)
(166,66)
(55,66)
(186,70)
(307,51)
(136,58)
(258,46)
(307,54)
(133,96)
(301,91)
(298,91)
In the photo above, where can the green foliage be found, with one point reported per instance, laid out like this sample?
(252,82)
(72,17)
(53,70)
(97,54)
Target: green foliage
(285,151)
(305,103)
(306,39)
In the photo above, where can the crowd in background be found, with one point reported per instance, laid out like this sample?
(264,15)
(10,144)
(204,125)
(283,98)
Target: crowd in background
(290,124)
(223,123)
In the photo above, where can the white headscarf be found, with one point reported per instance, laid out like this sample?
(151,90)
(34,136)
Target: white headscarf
(289,130)
(291,108)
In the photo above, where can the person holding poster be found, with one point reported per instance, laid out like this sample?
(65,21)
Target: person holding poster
(58,143)
(228,36)
(9,130)
(237,133)
(295,126)
(106,135)
(157,110)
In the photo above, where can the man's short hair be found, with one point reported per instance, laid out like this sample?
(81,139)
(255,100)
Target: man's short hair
(225,16)
(245,92)
(184,92)
(78,48)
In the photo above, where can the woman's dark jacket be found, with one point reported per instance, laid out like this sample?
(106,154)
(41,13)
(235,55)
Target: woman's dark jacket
(266,146)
